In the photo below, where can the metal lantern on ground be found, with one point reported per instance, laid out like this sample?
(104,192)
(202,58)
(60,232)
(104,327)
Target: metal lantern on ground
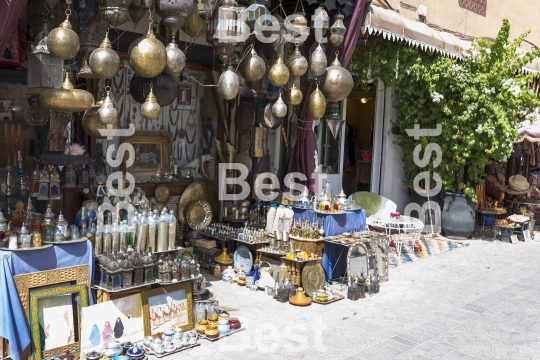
(150,109)
(114,12)
(107,114)
(147,55)
(337,31)
(227,29)
(337,82)
(66,99)
(62,41)
(104,61)
(228,84)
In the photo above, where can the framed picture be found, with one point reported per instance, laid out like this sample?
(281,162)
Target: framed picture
(119,320)
(168,307)
(152,152)
(55,315)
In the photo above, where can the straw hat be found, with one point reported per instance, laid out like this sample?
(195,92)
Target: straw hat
(518,183)
(511,191)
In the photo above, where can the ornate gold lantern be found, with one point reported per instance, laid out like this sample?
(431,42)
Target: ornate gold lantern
(174,13)
(104,61)
(66,99)
(279,108)
(337,82)
(279,73)
(107,114)
(62,41)
(317,62)
(147,55)
(91,39)
(91,123)
(114,12)
(337,31)
(297,63)
(176,60)
(151,109)
(293,95)
(317,103)
(252,67)
(228,84)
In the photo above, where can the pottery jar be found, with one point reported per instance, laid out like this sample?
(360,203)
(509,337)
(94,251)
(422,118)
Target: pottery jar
(224,328)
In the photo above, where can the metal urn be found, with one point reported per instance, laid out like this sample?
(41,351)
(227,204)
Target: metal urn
(337,83)
(297,63)
(91,123)
(174,12)
(66,99)
(147,55)
(317,62)
(104,61)
(107,114)
(62,41)
(114,12)
(252,67)
(279,108)
(279,73)
(164,87)
(176,60)
(337,31)
(317,103)
(228,84)
(293,95)
(150,109)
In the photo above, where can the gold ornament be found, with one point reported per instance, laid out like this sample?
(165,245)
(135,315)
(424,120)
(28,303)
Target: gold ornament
(195,25)
(91,123)
(293,95)
(62,41)
(228,84)
(107,114)
(150,109)
(317,103)
(252,67)
(297,63)
(318,62)
(278,74)
(336,83)
(104,61)
(147,55)
(176,60)
(66,99)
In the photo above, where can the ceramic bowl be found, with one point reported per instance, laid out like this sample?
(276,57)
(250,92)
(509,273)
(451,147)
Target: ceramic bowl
(170,347)
(224,328)
(223,316)
(213,318)
(212,333)
(211,326)
(120,357)
(212,323)
(200,328)
(202,322)
(223,321)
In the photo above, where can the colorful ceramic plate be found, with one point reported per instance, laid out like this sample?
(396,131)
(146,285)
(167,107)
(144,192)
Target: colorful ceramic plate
(243,258)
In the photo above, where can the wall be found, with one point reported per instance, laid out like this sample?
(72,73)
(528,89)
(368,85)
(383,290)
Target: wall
(467,16)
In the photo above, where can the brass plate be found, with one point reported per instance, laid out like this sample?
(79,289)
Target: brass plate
(244,142)
(244,159)
(312,277)
(244,118)
(199,214)
(162,194)
(199,189)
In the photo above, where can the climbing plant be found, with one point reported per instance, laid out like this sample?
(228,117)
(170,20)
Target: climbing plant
(479,101)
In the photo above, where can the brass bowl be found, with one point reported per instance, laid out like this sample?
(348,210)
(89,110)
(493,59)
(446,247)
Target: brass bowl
(213,318)
(211,326)
(200,329)
(202,322)
(211,333)
(162,194)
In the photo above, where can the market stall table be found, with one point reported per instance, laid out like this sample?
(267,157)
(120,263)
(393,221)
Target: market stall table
(13,326)
(397,228)
(335,224)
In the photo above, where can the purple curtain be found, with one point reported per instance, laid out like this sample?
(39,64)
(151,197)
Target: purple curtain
(10,11)
(300,158)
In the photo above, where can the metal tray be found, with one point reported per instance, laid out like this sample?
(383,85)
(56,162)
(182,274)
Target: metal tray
(222,336)
(336,298)
(149,351)
(65,242)
(29,249)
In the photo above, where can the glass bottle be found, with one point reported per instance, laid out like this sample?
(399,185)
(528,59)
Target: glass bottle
(153,219)
(98,240)
(163,231)
(123,232)
(116,238)
(172,231)
(48,225)
(135,226)
(91,234)
(142,233)
(328,189)
(107,240)
(83,228)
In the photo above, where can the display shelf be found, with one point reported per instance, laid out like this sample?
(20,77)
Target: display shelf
(220,336)
(224,238)
(149,351)
(278,253)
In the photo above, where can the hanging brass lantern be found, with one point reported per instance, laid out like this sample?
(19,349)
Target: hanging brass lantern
(114,12)
(90,120)
(174,13)
(176,60)
(195,25)
(66,99)
(44,70)
(62,41)
(279,108)
(279,73)
(297,63)
(300,25)
(317,103)
(105,62)
(136,11)
(293,95)
(337,31)
(252,67)
(337,83)
(228,84)
(150,109)
(107,114)
(320,21)
(147,55)
(227,28)
(317,62)
(91,39)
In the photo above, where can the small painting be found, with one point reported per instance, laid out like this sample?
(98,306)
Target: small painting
(147,156)
(152,151)
(56,326)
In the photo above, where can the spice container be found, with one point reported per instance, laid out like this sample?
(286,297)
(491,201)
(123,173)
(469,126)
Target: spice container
(163,232)
(98,241)
(115,239)
(172,231)
(107,240)
(153,220)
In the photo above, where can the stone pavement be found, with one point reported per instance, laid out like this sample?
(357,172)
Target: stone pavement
(477,302)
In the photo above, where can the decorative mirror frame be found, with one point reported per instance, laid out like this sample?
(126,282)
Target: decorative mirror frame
(359,244)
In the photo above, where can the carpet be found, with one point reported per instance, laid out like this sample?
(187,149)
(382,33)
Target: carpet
(423,247)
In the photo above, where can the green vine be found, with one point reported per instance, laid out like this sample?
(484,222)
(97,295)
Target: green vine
(479,101)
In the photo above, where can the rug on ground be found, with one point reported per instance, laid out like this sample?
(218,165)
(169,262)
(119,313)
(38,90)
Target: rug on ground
(422,248)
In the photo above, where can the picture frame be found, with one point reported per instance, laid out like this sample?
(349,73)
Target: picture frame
(24,283)
(168,307)
(55,319)
(152,152)
(526,235)
(514,239)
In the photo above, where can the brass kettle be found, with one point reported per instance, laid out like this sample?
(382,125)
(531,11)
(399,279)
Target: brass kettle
(147,55)
(66,99)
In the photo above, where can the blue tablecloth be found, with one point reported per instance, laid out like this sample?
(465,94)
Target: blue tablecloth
(335,260)
(335,224)
(12,323)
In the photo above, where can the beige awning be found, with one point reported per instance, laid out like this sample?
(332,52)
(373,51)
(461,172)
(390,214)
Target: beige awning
(392,26)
